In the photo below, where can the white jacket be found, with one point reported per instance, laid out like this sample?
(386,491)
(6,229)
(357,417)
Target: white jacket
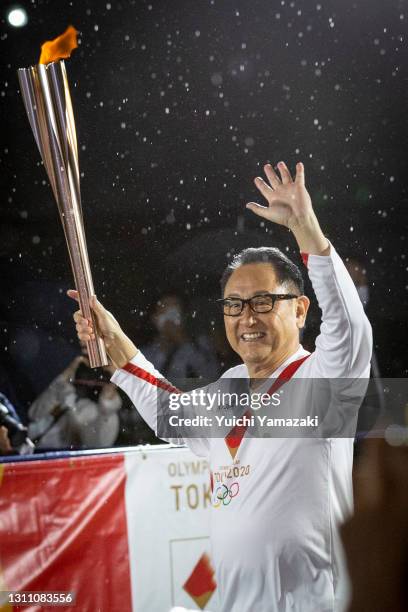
(275,545)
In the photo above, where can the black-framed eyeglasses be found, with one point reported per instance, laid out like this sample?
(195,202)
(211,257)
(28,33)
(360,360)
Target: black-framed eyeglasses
(233,306)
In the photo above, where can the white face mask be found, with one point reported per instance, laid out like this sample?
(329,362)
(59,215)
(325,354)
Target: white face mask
(171,314)
(364,294)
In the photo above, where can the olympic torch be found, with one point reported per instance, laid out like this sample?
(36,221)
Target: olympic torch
(47,100)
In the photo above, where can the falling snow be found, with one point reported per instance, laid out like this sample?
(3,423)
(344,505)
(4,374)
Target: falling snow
(175,115)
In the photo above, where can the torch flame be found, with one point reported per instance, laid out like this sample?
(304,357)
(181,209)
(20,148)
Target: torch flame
(59,48)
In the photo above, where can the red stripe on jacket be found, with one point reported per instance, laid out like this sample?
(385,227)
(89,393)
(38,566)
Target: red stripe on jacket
(150,378)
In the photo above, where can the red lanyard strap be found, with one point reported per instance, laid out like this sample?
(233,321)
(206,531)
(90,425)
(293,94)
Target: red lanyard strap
(234,438)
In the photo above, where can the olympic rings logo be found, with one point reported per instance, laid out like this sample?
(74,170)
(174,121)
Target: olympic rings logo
(223,495)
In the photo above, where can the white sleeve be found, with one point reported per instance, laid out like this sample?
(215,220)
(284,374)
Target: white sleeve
(344,345)
(140,380)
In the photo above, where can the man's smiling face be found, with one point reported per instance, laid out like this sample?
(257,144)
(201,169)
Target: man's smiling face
(263,339)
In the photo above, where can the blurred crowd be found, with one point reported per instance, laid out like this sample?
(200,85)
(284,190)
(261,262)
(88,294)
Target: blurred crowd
(82,409)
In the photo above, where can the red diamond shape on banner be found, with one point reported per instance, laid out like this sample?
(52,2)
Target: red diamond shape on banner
(201,584)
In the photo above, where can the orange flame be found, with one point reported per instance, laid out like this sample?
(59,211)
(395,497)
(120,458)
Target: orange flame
(59,48)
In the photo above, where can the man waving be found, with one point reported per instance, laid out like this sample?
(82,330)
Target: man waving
(277,501)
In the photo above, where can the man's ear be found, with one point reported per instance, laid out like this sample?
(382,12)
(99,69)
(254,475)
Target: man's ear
(302,307)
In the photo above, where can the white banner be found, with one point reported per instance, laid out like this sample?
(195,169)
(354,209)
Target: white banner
(168,501)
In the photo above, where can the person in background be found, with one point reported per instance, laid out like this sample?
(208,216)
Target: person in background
(9,395)
(373,406)
(375,538)
(13,434)
(79,409)
(357,270)
(10,407)
(175,353)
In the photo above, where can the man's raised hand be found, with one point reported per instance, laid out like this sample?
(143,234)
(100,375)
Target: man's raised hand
(288,202)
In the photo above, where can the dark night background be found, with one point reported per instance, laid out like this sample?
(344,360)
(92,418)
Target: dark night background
(178,105)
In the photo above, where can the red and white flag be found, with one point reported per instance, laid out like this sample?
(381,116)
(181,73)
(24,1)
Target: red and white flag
(124,531)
